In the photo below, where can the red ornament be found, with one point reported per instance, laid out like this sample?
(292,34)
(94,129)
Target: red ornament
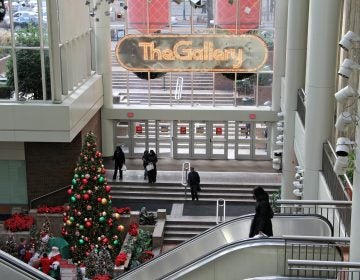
(67,208)
(108,188)
(69,191)
(86,196)
(78,196)
(84,181)
(105,240)
(88,224)
(103,170)
(120,228)
(88,207)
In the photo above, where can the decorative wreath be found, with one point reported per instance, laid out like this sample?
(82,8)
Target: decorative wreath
(2,10)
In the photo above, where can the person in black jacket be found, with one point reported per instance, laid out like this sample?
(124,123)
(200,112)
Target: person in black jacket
(263,214)
(152,160)
(194,183)
(119,158)
(145,163)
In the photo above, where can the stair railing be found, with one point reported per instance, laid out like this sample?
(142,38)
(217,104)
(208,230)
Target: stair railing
(220,204)
(179,88)
(184,173)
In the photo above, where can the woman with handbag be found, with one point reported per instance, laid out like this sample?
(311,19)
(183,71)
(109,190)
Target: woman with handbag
(151,166)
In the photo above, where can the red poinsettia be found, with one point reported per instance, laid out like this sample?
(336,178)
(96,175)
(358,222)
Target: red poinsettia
(102,277)
(120,259)
(51,209)
(19,222)
(122,210)
(133,230)
(146,256)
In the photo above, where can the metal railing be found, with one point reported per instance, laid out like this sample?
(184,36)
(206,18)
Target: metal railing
(336,186)
(313,249)
(48,195)
(301,108)
(325,269)
(338,213)
(179,88)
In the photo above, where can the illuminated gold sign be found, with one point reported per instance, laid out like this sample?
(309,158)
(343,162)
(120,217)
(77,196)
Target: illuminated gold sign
(191,53)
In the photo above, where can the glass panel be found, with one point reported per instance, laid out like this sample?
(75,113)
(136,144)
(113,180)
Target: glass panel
(243,149)
(164,147)
(199,148)
(122,130)
(245,89)
(260,148)
(183,148)
(26,26)
(5,58)
(200,130)
(124,147)
(265,88)
(260,131)
(180,17)
(218,148)
(139,147)
(164,130)
(231,150)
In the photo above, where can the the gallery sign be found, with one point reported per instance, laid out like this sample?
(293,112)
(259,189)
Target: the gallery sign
(191,53)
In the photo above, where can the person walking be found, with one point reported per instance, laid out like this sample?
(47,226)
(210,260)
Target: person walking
(261,223)
(151,166)
(145,162)
(194,183)
(119,158)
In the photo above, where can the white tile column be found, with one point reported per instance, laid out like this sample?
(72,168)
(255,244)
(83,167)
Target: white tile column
(103,67)
(295,70)
(281,8)
(324,16)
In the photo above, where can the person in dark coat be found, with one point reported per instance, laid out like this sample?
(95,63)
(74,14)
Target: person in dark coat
(194,183)
(263,214)
(152,159)
(145,162)
(119,158)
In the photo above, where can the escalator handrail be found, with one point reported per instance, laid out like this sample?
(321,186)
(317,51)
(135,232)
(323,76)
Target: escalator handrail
(21,267)
(210,230)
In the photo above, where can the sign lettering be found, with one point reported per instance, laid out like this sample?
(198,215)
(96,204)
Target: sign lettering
(191,53)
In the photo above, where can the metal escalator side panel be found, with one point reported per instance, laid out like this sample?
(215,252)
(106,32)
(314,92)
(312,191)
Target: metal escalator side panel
(214,238)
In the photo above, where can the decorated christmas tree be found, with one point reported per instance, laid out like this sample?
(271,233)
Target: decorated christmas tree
(89,221)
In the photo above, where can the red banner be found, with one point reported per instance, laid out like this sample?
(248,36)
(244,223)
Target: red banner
(219,131)
(138,129)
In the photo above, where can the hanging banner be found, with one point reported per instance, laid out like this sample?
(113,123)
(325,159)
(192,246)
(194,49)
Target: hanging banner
(191,53)
(138,129)
(182,129)
(218,131)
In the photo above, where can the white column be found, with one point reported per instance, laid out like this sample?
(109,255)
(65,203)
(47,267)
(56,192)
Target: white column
(103,67)
(295,69)
(321,65)
(355,222)
(281,7)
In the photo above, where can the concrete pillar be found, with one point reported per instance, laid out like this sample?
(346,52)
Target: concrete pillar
(103,67)
(281,7)
(295,70)
(321,70)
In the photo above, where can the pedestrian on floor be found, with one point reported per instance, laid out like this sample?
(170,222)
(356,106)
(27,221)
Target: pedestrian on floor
(151,166)
(119,158)
(22,249)
(261,223)
(194,183)
(145,162)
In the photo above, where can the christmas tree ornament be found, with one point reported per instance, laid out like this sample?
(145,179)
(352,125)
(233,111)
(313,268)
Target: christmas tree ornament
(120,228)
(108,188)
(102,219)
(73,182)
(69,191)
(87,176)
(104,201)
(88,224)
(81,227)
(73,199)
(81,241)
(88,207)
(84,181)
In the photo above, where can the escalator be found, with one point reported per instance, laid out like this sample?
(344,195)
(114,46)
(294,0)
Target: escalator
(12,268)
(230,232)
